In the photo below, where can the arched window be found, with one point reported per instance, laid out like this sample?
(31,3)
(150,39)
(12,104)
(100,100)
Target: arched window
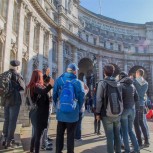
(16,17)
(3,8)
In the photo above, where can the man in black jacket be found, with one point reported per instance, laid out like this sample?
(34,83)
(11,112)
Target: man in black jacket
(12,103)
(130,101)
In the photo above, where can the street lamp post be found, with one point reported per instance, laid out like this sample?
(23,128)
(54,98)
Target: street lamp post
(93,75)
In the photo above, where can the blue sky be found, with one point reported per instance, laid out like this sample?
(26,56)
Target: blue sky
(134,11)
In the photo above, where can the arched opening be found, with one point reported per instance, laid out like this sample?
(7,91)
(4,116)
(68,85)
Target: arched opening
(133,70)
(87,73)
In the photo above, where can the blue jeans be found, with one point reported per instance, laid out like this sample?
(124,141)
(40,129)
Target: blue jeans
(127,122)
(11,115)
(79,127)
(112,129)
(146,124)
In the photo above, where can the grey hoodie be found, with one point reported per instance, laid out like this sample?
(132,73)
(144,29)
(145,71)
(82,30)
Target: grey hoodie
(101,93)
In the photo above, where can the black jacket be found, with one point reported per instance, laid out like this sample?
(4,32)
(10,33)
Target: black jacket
(15,86)
(129,93)
(42,101)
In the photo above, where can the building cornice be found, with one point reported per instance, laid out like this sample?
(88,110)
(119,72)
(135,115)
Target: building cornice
(42,13)
(110,20)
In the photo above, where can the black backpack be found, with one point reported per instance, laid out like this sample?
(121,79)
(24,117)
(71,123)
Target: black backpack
(113,100)
(5,81)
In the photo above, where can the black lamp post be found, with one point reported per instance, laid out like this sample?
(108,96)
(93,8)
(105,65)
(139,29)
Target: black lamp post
(93,75)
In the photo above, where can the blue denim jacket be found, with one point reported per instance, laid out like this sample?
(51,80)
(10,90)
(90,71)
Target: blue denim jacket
(79,94)
(141,87)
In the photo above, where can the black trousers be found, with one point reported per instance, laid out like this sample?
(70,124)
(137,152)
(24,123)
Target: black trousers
(139,123)
(97,125)
(61,127)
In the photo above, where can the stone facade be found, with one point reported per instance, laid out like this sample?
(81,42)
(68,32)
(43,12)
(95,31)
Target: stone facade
(42,33)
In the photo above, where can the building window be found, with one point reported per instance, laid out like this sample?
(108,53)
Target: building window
(55,18)
(36,39)
(119,47)
(111,46)
(55,3)
(105,44)
(46,45)
(145,49)
(67,50)
(136,49)
(26,30)
(15,17)
(54,52)
(70,27)
(79,34)
(3,8)
(87,38)
(95,41)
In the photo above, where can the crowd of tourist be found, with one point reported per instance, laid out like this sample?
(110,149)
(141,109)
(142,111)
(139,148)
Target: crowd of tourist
(118,103)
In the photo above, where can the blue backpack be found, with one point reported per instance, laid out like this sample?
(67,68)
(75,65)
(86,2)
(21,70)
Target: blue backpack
(67,97)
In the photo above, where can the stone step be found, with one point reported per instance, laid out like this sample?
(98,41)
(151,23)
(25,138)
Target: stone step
(19,147)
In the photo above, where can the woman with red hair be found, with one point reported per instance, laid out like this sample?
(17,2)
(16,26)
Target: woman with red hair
(39,113)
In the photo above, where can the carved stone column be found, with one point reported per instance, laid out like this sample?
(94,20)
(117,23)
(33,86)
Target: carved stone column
(60,57)
(100,65)
(50,52)
(8,32)
(41,48)
(125,63)
(30,47)
(75,56)
(21,32)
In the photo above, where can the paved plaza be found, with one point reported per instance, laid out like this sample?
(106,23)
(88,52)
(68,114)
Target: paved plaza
(91,143)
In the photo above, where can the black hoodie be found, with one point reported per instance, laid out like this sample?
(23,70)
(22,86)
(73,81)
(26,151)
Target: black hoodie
(129,93)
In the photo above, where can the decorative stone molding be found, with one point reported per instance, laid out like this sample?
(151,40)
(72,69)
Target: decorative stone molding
(14,48)
(25,55)
(35,62)
(2,35)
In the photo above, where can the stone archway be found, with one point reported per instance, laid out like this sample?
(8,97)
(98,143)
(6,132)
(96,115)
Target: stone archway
(86,72)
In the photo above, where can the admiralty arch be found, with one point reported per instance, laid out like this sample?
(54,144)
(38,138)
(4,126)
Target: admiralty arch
(53,33)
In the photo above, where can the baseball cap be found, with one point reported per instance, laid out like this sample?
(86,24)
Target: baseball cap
(73,67)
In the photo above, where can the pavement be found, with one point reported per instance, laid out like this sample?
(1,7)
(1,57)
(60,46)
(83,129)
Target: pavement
(91,142)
